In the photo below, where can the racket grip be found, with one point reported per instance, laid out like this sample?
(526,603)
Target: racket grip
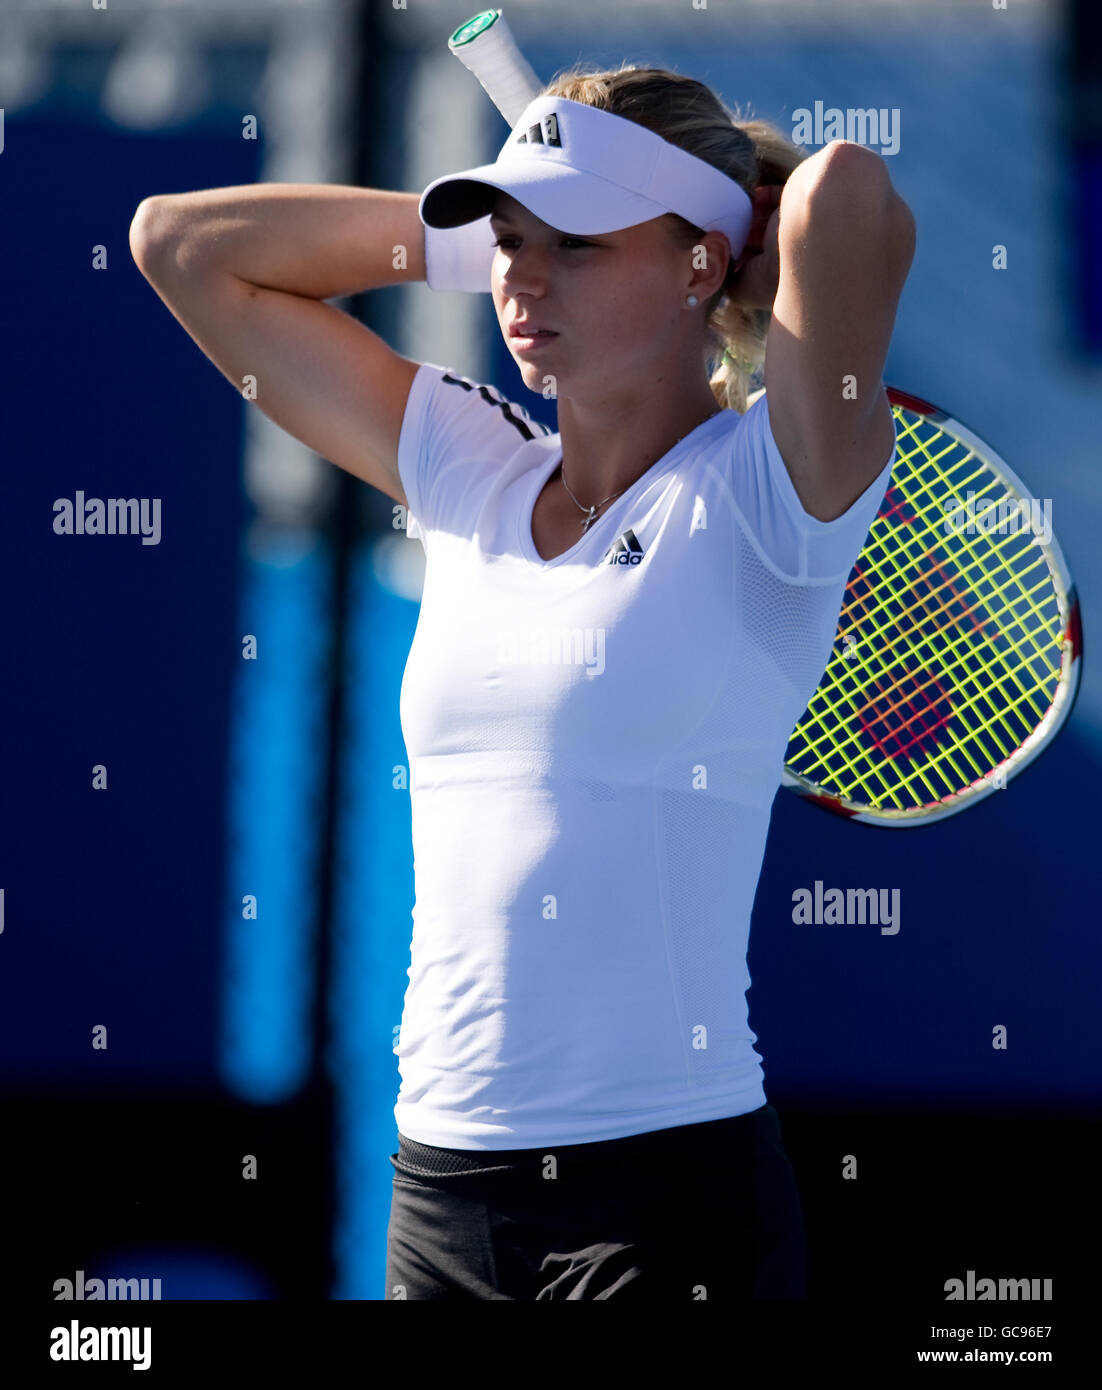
(493,56)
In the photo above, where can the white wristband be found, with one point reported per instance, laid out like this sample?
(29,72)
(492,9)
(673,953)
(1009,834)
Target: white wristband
(459,258)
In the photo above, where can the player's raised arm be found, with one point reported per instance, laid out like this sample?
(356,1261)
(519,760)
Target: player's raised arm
(246,271)
(844,240)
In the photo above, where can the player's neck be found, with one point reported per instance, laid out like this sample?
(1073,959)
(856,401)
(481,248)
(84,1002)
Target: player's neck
(609,442)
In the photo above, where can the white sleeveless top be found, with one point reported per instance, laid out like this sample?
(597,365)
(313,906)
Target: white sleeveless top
(594,745)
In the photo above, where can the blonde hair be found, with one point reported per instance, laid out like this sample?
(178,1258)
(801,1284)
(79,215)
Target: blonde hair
(751,152)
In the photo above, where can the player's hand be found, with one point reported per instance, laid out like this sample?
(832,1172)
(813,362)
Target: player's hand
(753,282)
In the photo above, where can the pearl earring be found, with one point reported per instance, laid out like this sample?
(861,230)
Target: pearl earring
(692,301)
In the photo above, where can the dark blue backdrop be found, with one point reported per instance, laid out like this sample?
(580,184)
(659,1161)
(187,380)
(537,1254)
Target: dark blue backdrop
(117,653)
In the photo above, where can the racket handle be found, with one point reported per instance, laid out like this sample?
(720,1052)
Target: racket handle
(486,46)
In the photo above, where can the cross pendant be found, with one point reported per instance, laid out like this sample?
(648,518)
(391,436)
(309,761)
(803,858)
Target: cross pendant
(590,519)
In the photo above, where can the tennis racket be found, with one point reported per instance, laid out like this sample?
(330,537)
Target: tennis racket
(959,646)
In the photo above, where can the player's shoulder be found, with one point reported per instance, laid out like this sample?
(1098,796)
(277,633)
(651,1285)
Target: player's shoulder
(461,438)
(473,410)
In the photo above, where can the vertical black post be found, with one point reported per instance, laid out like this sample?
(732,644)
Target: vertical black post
(367,57)
(1083,137)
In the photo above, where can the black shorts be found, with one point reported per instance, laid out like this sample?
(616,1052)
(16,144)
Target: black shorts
(698,1211)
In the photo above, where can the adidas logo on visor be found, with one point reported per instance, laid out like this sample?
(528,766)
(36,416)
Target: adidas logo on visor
(544,132)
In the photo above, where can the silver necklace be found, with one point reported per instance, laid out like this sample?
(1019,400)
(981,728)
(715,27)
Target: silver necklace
(591,512)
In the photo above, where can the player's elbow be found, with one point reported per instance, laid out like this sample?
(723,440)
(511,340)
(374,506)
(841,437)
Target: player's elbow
(149,231)
(851,205)
(849,184)
(845,167)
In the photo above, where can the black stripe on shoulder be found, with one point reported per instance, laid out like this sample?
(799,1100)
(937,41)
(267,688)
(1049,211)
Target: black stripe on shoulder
(515,414)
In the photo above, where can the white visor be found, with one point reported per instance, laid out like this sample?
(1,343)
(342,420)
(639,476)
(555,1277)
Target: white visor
(583,170)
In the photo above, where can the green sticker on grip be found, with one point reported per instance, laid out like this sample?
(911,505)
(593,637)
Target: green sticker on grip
(473,27)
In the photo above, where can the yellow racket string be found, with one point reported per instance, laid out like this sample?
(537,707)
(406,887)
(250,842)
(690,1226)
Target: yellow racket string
(888,709)
(833,678)
(926,613)
(968,618)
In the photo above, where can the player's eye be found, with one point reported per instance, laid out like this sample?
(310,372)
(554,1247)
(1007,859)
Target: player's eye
(506,241)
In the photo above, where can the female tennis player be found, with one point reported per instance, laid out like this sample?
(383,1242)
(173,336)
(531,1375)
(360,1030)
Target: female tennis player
(620,626)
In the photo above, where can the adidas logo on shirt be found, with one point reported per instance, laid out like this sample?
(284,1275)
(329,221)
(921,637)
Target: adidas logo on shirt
(626,551)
